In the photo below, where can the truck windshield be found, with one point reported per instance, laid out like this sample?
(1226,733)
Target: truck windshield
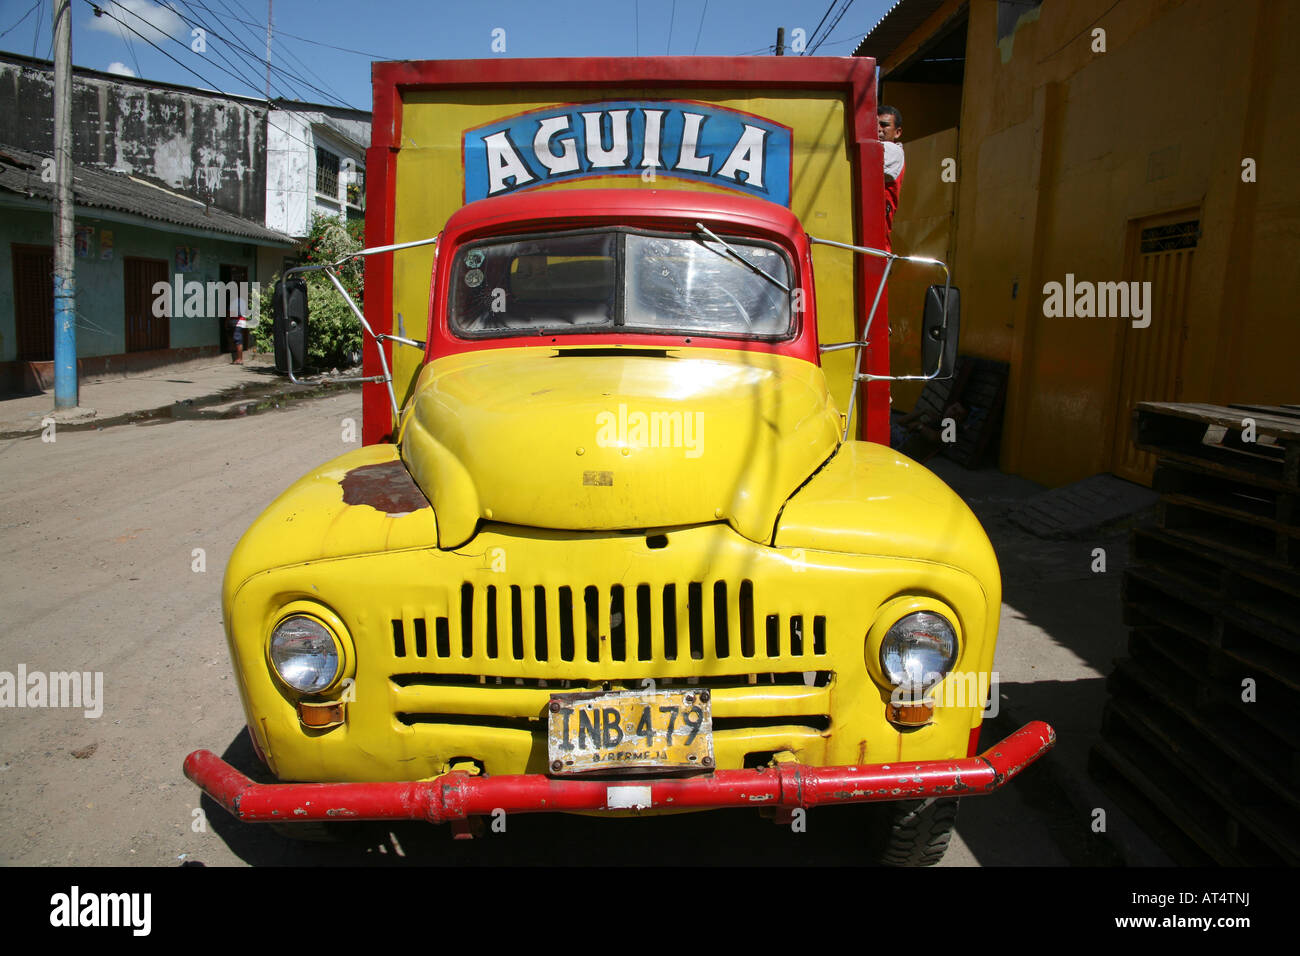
(619,280)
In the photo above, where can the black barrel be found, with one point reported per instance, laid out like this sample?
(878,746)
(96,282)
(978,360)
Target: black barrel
(289,311)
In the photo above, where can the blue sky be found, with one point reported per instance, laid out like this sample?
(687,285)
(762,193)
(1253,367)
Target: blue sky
(408,29)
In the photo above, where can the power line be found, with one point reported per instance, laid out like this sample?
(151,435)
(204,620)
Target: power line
(228,69)
(324,89)
(101,12)
(854,38)
(820,22)
(851,39)
(241,50)
(131,50)
(834,23)
(700,28)
(210,85)
(343,49)
(338,97)
(33,9)
(671,20)
(36,37)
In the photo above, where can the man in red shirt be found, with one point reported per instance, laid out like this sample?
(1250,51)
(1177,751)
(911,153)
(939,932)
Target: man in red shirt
(890,122)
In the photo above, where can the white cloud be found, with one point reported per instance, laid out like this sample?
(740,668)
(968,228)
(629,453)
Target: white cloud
(120,68)
(152,21)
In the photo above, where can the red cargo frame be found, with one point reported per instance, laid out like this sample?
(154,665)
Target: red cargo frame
(853,77)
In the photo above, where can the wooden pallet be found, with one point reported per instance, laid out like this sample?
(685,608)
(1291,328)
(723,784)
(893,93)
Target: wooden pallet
(1272,595)
(1179,829)
(1154,595)
(1188,761)
(1248,743)
(1185,821)
(1212,596)
(1209,437)
(1211,687)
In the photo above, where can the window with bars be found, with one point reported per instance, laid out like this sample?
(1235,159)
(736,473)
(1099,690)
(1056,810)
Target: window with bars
(327,172)
(1167,238)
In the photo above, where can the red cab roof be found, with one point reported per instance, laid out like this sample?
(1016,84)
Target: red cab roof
(562,208)
(553,209)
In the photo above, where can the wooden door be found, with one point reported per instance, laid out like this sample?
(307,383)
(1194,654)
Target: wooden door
(1161,252)
(34,302)
(144,330)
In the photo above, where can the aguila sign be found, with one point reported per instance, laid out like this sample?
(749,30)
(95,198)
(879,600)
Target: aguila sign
(627,137)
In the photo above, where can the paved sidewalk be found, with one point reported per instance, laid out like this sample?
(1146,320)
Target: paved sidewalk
(119,399)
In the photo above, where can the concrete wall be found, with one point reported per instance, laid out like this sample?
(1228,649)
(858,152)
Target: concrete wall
(100,317)
(292,137)
(210,147)
(1063,149)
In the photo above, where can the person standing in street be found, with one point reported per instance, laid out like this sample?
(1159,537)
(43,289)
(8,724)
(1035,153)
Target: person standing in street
(240,331)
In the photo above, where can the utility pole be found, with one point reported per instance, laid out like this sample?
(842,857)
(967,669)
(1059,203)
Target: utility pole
(268,51)
(65,279)
(780,41)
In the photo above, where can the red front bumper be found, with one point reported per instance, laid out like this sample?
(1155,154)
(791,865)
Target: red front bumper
(459,796)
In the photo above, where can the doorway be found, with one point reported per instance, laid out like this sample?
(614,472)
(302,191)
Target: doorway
(144,330)
(236,274)
(34,302)
(1160,251)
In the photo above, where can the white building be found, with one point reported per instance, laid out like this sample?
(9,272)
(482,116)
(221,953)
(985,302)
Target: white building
(315,164)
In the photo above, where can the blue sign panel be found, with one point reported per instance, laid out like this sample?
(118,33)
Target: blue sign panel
(629,138)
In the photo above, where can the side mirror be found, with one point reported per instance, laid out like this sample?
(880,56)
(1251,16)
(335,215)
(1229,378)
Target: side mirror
(939,331)
(289,312)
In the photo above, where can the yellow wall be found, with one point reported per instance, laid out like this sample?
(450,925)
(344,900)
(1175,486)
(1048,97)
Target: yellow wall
(927,108)
(1062,147)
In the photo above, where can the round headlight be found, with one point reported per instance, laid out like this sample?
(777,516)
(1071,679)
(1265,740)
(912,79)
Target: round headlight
(918,651)
(304,654)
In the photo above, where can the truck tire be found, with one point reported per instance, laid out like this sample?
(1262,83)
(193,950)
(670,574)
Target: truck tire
(916,832)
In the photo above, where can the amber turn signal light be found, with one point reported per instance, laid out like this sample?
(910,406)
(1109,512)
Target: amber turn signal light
(320,716)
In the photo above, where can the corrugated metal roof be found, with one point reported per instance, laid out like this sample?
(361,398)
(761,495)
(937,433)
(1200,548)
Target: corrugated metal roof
(20,173)
(898,23)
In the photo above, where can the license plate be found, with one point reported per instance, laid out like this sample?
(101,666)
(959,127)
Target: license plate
(630,730)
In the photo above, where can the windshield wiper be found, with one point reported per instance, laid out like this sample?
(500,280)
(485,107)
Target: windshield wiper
(741,259)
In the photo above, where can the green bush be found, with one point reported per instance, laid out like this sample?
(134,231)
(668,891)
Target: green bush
(333,332)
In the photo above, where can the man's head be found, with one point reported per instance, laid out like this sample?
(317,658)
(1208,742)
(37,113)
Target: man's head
(891,124)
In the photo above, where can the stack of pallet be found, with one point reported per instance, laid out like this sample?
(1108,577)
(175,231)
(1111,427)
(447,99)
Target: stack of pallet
(1201,735)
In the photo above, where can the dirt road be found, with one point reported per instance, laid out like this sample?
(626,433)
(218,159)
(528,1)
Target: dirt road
(112,548)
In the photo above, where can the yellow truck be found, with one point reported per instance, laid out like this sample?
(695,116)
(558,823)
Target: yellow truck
(625,535)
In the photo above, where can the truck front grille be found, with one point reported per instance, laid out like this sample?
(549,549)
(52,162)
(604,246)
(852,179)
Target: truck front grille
(692,621)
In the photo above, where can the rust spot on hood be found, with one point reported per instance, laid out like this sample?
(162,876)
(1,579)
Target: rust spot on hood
(386,487)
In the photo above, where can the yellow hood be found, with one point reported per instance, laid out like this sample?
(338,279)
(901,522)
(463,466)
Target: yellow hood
(614,438)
